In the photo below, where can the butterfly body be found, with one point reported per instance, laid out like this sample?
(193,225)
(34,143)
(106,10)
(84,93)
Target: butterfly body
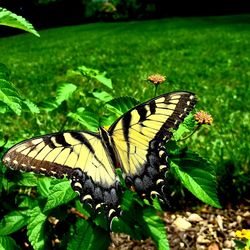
(135,142)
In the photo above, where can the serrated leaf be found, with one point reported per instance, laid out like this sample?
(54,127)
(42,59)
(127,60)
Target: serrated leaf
(85,117)
(31,106)
(10,19)
(88,238)
(12,222)
(156,228)
(96,74)
(64,92)
(10,97)
(35,228)
(6,242)
(198,176)
(60,193)
(121,105)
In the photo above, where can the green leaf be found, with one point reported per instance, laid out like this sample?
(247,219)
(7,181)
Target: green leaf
(83,208)
(28,180)
(12,222)
(96,74)
(156,228)
(85,117)
(128,200)
(10,19)
(7,184)
(10,96)
(107,119)
(27,204)
(248,243)
(188,126)
(239,244)
(121,105)
(88,238)
(7,242)
(124,225)
(64,92)
(36,233)
(43,186)
(102,95)
(31,106)
(101,77)
(60,193)
(129,223)
(156,204)
(198,176)
(48,105)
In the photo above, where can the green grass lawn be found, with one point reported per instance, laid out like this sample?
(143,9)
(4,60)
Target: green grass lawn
(209,56)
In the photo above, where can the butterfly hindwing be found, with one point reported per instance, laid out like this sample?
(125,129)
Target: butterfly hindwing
(139,138)
(80,156)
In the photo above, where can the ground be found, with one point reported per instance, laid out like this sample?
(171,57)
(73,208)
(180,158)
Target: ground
(200,229)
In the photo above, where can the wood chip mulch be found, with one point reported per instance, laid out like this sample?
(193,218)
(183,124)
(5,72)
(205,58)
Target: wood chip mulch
(204,229)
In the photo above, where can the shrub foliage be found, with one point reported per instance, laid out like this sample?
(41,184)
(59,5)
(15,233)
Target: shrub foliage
(49,209)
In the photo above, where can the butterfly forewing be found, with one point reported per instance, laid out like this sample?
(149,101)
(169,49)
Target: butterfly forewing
(80,156)
(139,138)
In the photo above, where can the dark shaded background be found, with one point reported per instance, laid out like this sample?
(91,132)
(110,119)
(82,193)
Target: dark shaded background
(54,13)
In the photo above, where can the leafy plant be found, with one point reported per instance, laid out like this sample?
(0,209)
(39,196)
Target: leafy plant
(10,19)
(10,99)
(50,211)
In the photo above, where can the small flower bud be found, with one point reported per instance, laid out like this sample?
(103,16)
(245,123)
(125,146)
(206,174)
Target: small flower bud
(156,79)
(203,117)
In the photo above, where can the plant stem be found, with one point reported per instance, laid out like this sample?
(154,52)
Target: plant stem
(156,87)
(196,129)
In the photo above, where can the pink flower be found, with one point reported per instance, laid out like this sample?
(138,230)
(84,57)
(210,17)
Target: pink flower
(203,117)
(156,79)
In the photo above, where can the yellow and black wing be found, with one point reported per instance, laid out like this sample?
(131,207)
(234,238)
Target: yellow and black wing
(139,137)
(135,142)
(80,156)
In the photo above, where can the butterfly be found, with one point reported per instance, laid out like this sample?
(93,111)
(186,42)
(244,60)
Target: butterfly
(135,143)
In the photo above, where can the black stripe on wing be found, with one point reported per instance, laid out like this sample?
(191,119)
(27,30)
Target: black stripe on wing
(143,113)
(185,104)
(154,120)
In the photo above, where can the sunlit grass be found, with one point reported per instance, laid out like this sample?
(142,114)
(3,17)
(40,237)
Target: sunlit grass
(209,56)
